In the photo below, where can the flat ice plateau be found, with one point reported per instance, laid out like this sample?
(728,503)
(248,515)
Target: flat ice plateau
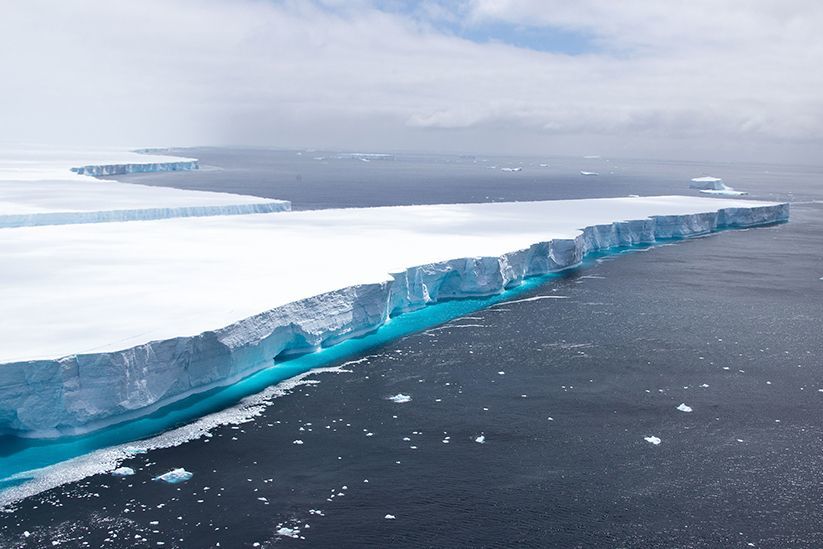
(55,187)
(101,323)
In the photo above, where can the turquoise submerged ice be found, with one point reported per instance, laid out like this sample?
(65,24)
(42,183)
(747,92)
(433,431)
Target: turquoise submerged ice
(104,323)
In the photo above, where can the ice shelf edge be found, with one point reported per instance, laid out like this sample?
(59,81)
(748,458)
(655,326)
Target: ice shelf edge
(82,393)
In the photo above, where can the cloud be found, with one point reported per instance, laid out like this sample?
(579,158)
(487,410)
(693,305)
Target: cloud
(399,74)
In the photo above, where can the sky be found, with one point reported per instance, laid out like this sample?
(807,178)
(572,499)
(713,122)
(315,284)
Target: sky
(736,80)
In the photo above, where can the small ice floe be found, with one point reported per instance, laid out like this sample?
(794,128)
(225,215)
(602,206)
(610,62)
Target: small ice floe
(298,441)
(389,517)
(122,472)
(582,172)
(544,165)
(684,407)
(288,532)
(481,439)
(652,440)
(517,169)
(400,398)
(175,476)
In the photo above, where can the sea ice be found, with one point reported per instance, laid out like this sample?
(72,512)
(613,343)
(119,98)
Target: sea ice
(481,439)
(175,476)
(652,440)
(400,398)
(588,173)
(122,472)
(389,517)
(684,408)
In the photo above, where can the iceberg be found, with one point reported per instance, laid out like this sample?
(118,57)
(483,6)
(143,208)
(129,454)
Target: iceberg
(98,170)
(714,186)
(582,172)
(102,326)
(175,476)
(707,183)
(122,472)
(53,193)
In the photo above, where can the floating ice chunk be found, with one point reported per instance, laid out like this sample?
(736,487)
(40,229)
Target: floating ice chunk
(175,476)
(390,517)
(517,169)
(724,192)
(652,440)
(481,439)
(298,441)
(684,408)
(400,398)
(707,182)
(122,472)
(588,173)
(714,186)
(288,532)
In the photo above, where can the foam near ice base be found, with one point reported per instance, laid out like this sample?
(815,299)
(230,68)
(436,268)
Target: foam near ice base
(99,326)
(44,188)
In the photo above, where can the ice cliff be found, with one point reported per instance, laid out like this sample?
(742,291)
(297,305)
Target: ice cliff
(139,214)
(83,392)
(138,167)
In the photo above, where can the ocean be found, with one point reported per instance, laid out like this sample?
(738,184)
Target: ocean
(528,413)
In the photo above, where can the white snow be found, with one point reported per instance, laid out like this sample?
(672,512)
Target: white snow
(684,408)
(175,476)
(652,440)
(102,322)
(400,398)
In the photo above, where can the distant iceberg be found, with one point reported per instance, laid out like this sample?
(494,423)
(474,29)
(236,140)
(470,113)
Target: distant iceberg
(714,186)
(588,173)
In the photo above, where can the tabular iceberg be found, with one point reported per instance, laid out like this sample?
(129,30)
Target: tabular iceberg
(328,277)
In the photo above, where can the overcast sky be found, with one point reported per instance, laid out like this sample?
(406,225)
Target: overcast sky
(697,79)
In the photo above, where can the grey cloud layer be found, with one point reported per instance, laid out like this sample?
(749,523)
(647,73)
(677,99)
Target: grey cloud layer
(332,73)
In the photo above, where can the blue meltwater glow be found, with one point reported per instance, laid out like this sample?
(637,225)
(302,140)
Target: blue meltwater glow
(18,455)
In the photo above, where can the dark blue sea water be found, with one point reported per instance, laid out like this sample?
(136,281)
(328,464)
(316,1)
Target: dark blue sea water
(563,391)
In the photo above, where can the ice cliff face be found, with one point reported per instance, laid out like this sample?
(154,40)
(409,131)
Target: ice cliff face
(120,169)
(139,214)
(84,392)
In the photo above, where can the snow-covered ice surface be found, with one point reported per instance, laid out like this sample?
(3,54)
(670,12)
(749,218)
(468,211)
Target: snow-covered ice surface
(102,325)
(40,188)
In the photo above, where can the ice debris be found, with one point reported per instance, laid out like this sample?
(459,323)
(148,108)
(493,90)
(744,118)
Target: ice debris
(122,472)
(175,476)
(652,440)
(684,407)
(400,398)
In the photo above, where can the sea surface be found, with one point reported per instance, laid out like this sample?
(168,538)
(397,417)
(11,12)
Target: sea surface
(527,415)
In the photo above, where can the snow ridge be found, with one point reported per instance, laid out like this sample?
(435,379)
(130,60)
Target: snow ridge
(80,393)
